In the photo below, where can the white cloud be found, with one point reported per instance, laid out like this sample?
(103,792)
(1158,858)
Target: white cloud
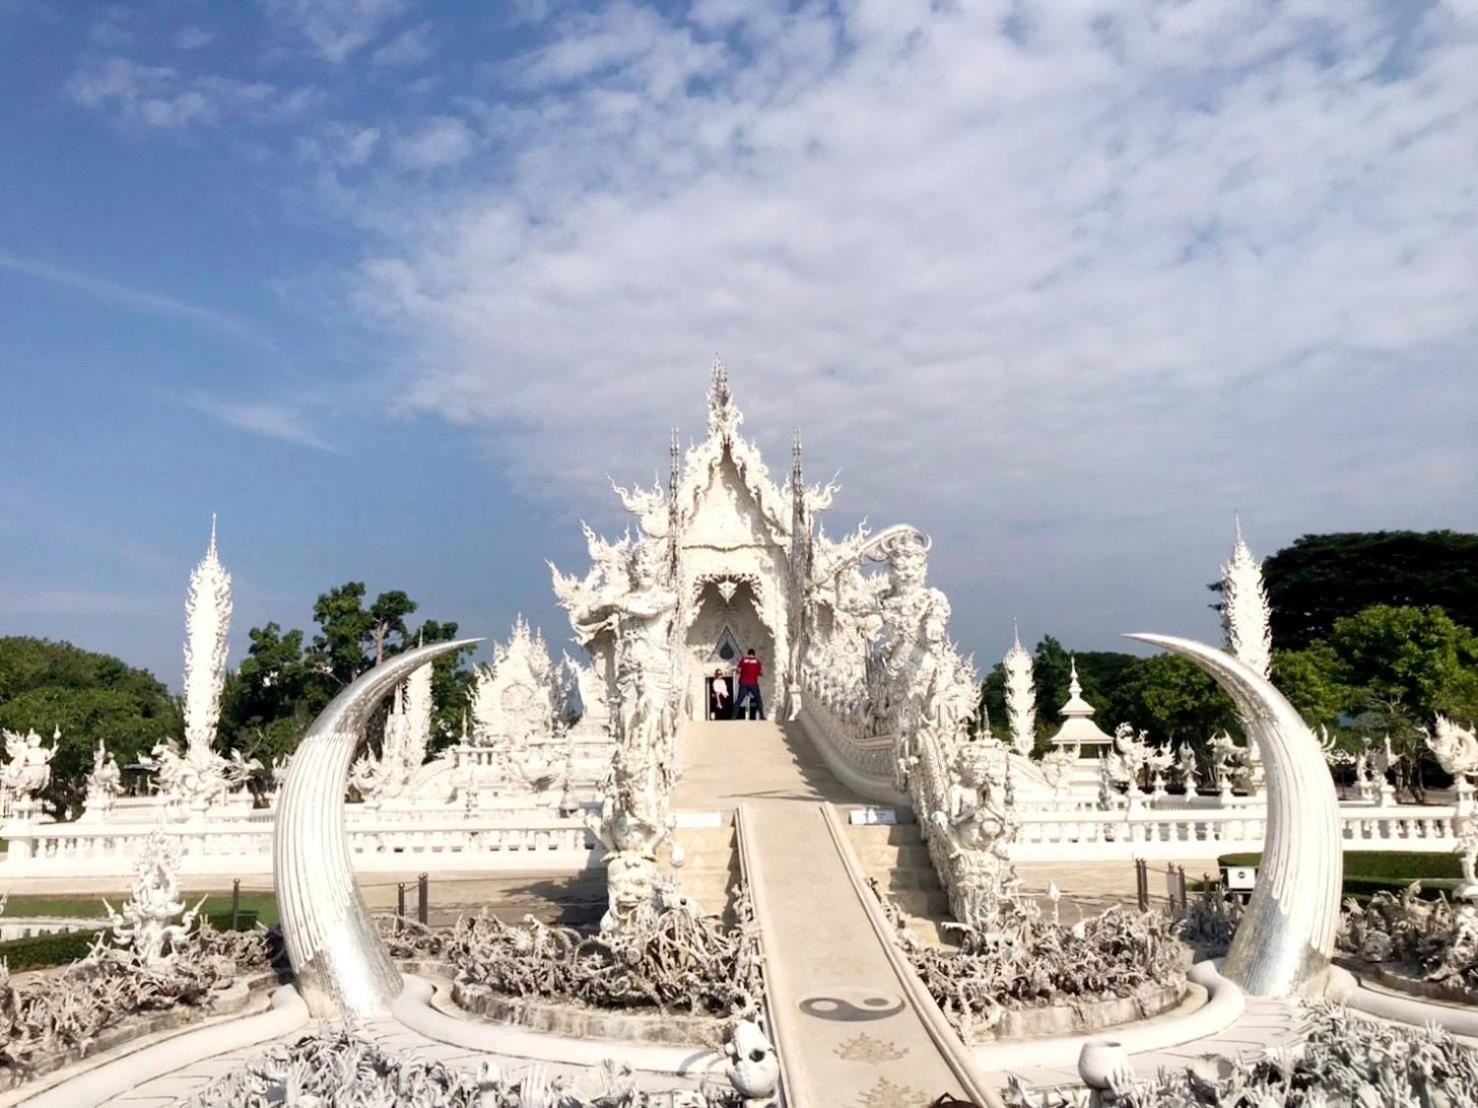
(411,47)
(435,143)
(193,38)
(161,97)
(1062,288)
(274,421)
(334,29)
(133,298)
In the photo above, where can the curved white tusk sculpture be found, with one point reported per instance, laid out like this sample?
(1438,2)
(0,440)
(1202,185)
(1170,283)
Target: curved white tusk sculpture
(339,960)
(1285,938)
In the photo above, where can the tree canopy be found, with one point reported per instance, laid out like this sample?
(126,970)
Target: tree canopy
(46,685)
(1321,578)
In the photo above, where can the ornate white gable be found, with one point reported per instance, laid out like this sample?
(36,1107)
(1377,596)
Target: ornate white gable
(516,699)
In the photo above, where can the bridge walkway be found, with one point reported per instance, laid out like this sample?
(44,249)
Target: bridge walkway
(847,1032)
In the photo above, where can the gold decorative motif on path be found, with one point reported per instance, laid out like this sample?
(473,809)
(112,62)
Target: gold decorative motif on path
(864,1048)
(885,1094)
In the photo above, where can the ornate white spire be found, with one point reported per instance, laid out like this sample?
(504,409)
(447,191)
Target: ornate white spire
(417,708)
(724,416)
(1021,695)
(207,622)
(1244,608)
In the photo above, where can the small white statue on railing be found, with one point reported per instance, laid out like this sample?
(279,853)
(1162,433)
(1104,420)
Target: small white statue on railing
(1185,769)
(1385,760)
(1226,757)
(104,783)
(144,922)
(28,771)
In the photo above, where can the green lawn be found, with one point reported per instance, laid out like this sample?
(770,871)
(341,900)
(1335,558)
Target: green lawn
(1371,871)
(89,907)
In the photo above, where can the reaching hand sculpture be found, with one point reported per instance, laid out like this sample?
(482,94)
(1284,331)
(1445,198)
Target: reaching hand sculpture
(337,955)
(1287,935)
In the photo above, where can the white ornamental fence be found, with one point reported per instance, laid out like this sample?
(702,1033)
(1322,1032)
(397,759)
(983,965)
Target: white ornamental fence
(243,848)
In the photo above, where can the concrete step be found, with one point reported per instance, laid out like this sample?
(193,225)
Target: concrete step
(923,903)
(891,880)
(896,856)
(898,834)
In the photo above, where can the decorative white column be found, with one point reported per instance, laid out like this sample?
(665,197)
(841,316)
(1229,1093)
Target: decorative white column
(1245,615)
(207,623)
(1021,696)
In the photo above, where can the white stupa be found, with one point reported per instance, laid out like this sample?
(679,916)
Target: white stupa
(1078,728)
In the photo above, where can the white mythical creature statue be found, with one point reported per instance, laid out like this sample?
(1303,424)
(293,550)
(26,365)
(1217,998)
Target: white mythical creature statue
(1133,756)
(635,817)
(28,770)
(144,923)
(1057,768)
(1185,768)
(917,678)
(1456,749)
(753,1068)
(104,783)
(976,834)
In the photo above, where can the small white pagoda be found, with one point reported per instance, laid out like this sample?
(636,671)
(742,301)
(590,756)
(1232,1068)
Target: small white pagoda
(1078,728)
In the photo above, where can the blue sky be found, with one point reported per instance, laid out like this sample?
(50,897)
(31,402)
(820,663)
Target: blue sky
(392,287)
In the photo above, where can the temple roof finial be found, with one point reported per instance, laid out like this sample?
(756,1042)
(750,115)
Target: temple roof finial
(1074,687)
(718,384)
(211,549)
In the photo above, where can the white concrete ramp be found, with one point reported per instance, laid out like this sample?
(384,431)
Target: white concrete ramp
(848,1032)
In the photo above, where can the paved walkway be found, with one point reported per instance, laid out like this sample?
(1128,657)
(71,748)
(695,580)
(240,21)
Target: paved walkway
(848,1037)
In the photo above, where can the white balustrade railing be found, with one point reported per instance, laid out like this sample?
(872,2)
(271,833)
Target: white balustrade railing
(542,843)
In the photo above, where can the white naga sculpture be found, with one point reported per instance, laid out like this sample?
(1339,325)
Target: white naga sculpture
(1287,935)
(1021,696)
(342,967)
(197,777)
(1456,749)
(28,770)
(145,921)
(1246,618)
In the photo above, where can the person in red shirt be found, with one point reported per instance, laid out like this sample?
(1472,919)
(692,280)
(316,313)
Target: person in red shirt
(750,669)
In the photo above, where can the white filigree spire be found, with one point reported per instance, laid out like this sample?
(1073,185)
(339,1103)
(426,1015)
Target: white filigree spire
(1021,695)
(724,416)
(418,708)
(207,622)
(1244,608)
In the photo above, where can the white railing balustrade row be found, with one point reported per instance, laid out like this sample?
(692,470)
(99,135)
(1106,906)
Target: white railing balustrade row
(244,848)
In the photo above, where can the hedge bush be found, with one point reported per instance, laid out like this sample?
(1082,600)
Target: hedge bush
(1368,872)
(40,951)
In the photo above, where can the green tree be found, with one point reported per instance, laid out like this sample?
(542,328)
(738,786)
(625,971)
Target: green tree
(1172,699)
(1322,578)
(46,685)
(1310,679)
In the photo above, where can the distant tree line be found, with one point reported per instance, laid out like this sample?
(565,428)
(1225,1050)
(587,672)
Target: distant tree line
(268,701)
(1372,635)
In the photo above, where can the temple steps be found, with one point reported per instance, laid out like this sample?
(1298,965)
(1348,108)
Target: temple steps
(896,858)
(710,865)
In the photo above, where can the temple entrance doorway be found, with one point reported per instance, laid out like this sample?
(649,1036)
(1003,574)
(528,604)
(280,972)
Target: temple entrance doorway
(725,625)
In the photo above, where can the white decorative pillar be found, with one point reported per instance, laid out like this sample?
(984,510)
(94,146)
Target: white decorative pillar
(1021,696)
(207,623)
(1246,617)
